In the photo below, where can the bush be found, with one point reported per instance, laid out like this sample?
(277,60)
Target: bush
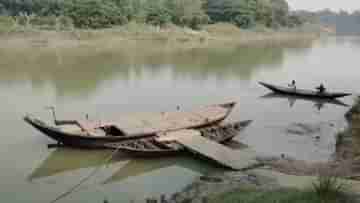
(158,16)
(6,23)
(328,188)
(66,23)
(244,21)
(3,10)
(24,19)
(295,21)
(94,14)
(48,21)
(195,21)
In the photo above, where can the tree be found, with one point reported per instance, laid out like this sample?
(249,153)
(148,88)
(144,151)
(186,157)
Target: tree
(264,13)
(280,10)
(94,13)
(3,11)
(187,12)
(157,14)
(240,12)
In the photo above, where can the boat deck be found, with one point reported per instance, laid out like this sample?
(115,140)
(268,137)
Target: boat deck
(162,122)
(198,145)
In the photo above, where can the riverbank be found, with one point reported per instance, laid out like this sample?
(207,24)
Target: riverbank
(259,185)
(175,37)
(283,179)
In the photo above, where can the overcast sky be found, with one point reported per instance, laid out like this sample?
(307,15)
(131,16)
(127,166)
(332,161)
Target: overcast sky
(349,5)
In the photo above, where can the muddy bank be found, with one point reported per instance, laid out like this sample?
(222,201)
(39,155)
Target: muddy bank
(209,186)
(284,172)
(348,145)
(262,179)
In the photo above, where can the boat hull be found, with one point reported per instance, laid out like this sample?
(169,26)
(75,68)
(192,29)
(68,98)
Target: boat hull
(303,93)
(167,151)
(81,141)
(74,140)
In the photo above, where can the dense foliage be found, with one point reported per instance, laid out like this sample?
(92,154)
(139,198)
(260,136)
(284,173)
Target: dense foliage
(191,13)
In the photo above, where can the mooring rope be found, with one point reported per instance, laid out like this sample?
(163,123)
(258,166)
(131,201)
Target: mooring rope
(72,189)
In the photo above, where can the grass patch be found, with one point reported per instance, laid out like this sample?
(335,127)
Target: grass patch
(6,24)
(326,189)
(279,196)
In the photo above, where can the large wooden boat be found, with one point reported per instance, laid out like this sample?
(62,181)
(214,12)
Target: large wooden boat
(152,147)
(96,134)
(303,92)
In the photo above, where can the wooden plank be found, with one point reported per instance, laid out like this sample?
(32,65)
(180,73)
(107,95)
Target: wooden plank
(192,141)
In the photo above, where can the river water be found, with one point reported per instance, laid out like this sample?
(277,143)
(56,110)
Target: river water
(108,82)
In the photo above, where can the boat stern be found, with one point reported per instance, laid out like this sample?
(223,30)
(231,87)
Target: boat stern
(229,105)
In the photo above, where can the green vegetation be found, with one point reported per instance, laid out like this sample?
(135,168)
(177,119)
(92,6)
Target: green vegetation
(190,13)
(327,189)
(247,13)
(278,196)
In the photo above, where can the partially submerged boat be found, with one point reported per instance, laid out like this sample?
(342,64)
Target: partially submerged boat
(303,92)
(96,134)
(154,147)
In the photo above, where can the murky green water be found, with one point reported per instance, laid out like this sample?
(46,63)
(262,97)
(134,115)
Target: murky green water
(106,83)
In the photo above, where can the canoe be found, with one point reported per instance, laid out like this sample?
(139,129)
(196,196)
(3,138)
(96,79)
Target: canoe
(293,98)
(152,147)
(94,135)
(303,92)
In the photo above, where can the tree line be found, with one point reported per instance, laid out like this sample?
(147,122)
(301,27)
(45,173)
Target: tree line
(189,13)
(345,23)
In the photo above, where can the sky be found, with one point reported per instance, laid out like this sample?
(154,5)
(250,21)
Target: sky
(349,5)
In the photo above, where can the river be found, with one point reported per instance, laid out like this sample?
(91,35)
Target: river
(107,82)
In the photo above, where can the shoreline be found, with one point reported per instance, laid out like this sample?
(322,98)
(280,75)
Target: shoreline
(278,174)
(176,37)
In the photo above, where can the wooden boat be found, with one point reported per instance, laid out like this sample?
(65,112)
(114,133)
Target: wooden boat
(94,135)
(151,147)
(303,92)
(293,98)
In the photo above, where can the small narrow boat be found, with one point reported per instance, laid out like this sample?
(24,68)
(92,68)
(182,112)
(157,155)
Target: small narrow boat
(293,98)
(152,147)
(94,135)
(303,92)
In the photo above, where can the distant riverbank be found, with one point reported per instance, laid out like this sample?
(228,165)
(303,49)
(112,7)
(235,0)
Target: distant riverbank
(176,37)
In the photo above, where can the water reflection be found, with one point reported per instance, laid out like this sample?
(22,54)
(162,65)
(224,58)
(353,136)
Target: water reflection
(66,160)
(318,103)
(80,70)
(138,167)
